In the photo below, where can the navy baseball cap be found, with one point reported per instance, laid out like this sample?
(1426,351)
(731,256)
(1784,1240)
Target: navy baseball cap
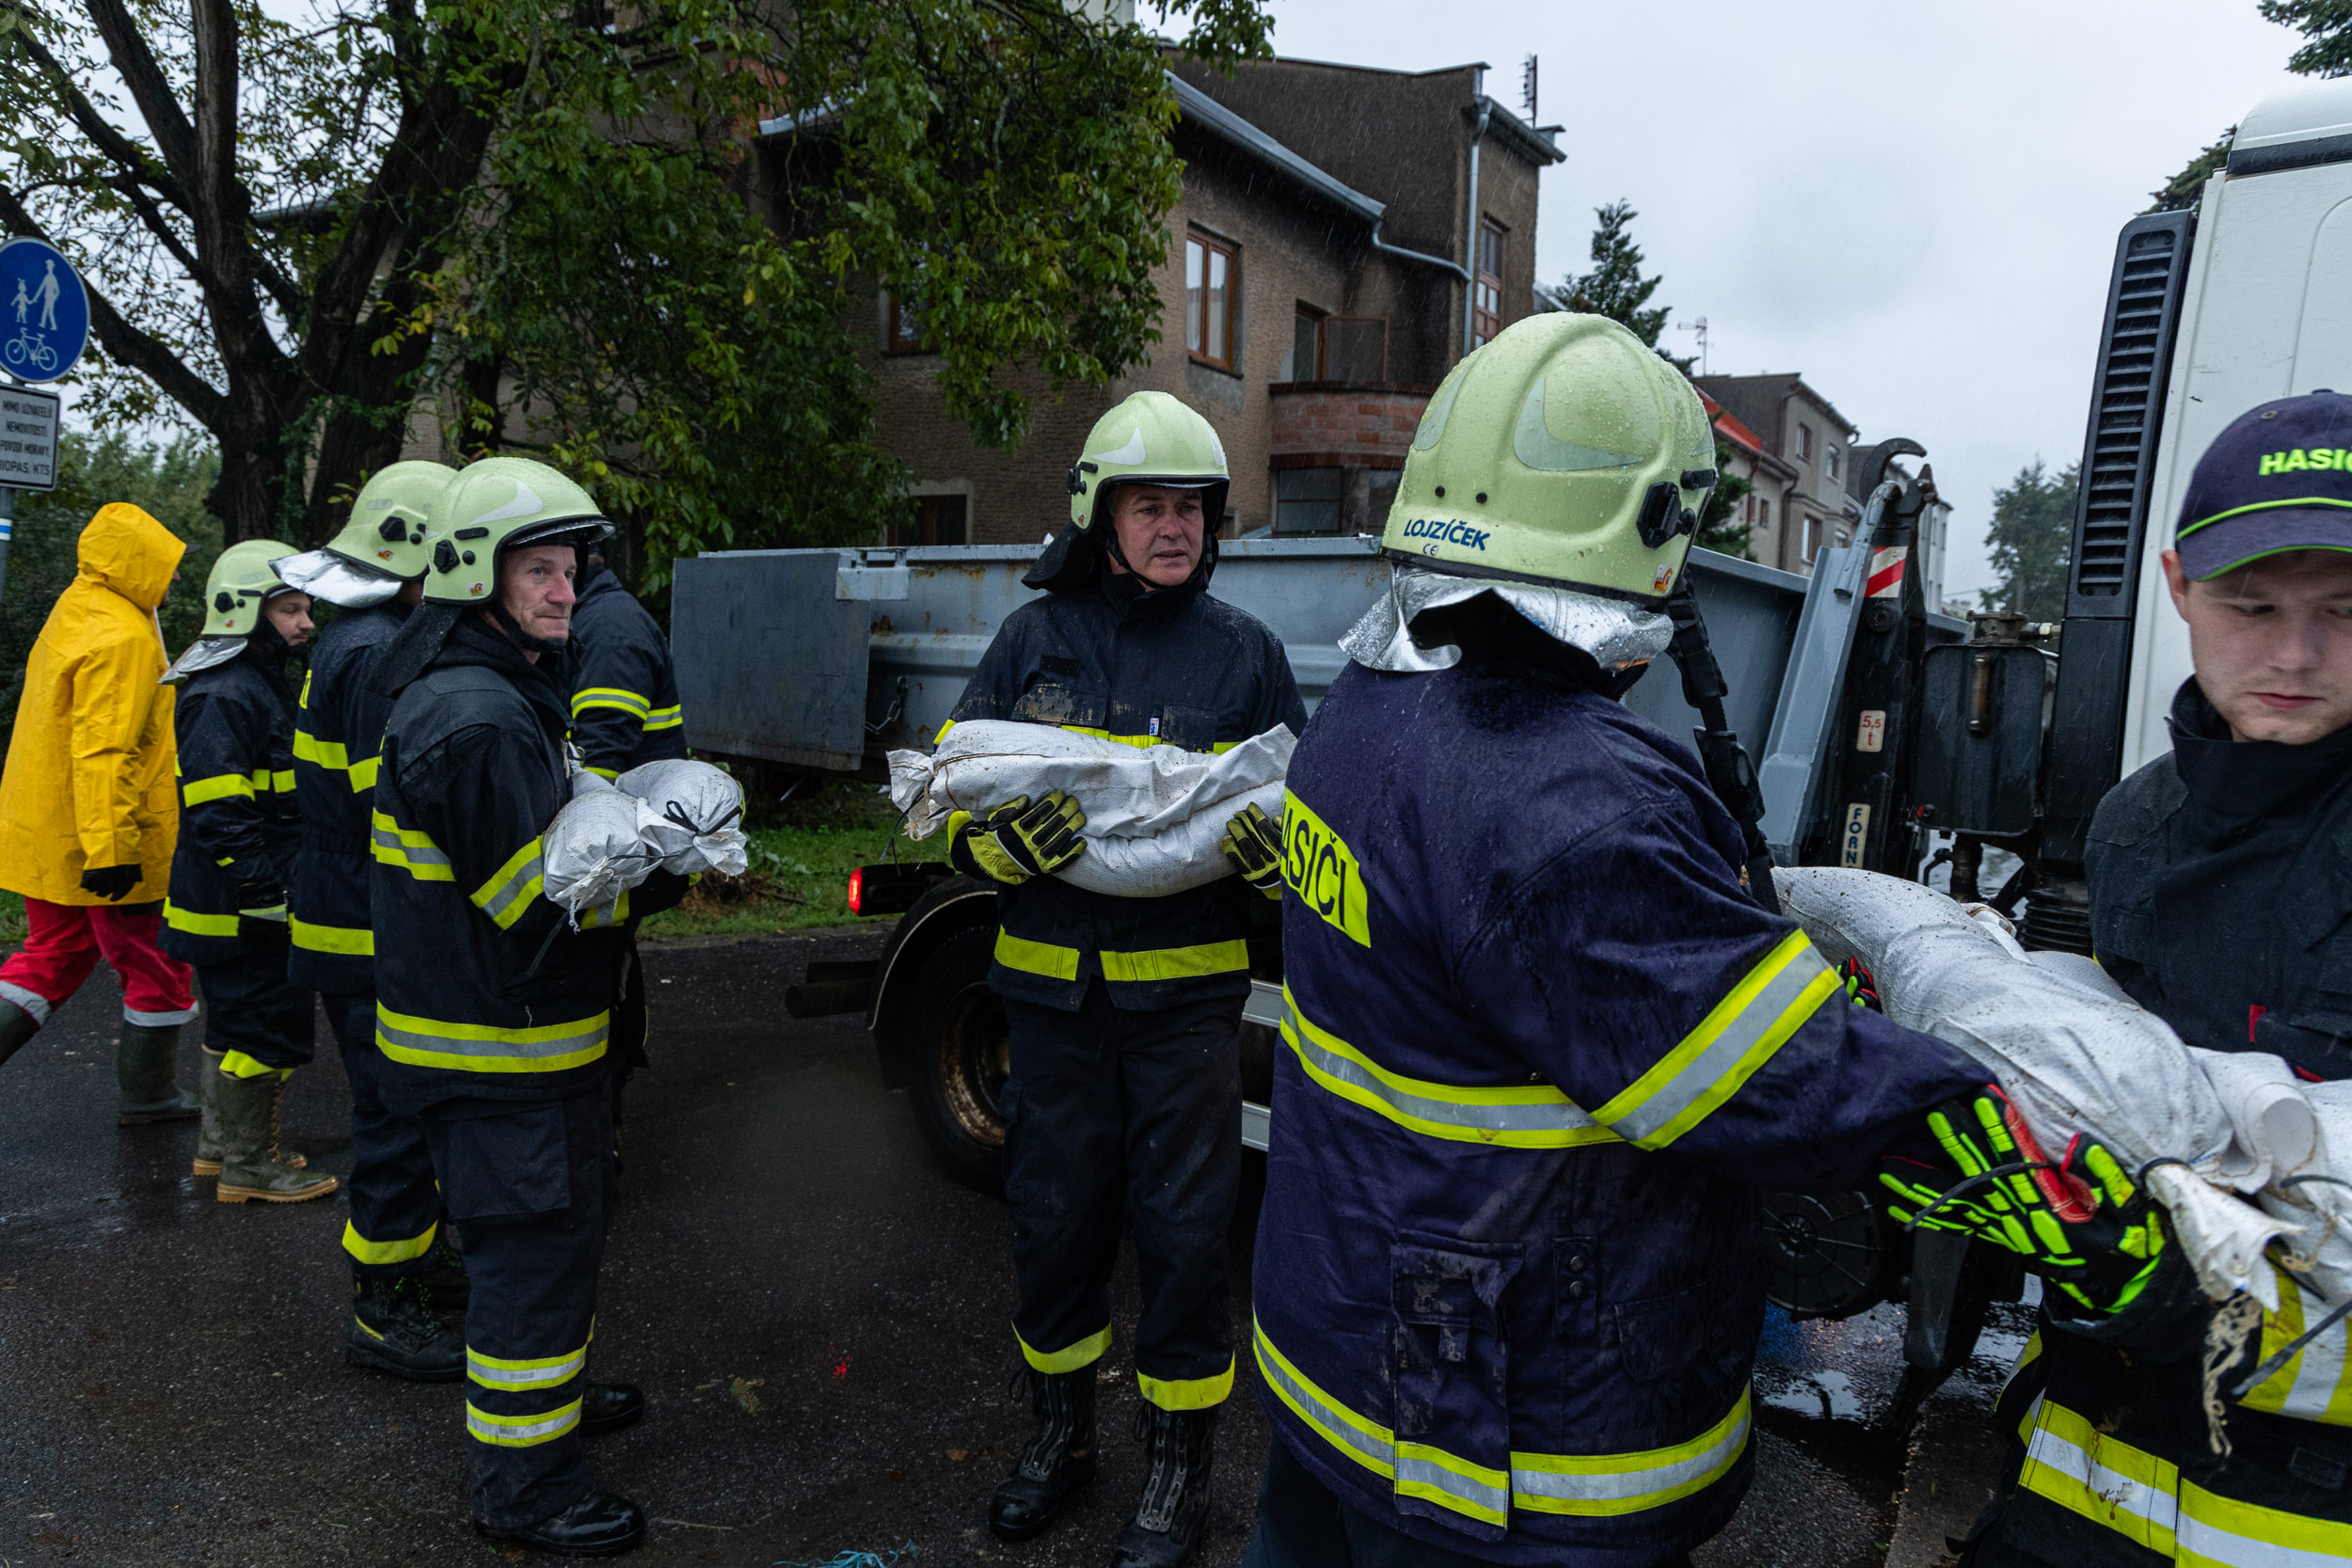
(2278,479)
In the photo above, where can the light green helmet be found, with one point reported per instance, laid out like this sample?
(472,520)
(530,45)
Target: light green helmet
(243,579)
(1564,451)
(381,547)
(1150,438)
(493,506)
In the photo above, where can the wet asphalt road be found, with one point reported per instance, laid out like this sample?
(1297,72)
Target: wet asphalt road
(818,1317)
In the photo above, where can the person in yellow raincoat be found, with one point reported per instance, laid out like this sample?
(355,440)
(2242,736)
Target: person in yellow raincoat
(87,812)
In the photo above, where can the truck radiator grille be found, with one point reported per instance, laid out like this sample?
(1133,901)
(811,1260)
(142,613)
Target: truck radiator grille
(2127,406)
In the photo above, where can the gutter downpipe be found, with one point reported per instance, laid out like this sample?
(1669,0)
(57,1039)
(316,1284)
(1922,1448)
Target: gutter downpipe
(1470,223)
(1422,256)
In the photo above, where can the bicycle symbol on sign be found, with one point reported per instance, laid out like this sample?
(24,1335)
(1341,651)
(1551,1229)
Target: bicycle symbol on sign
(28,348)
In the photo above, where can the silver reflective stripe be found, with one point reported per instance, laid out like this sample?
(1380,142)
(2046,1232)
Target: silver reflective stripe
(415,854)
(490,1374)
(1740,1036)
(592,1033)
(132,1014)
(1553,1115)
(1415,1474)
(1623,1485)
(1334,1425)
(516,886)
(518,1433)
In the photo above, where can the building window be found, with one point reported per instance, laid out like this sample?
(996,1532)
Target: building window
(1211,272)
(1829,459)
(1306,501)
(938,520)
(1763,514)
(1306,346)
(1805,443)
(905,334)
(1812,539)
(1487,290)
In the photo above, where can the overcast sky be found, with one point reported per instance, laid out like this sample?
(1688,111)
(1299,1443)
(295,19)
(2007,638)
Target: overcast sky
(1915,206)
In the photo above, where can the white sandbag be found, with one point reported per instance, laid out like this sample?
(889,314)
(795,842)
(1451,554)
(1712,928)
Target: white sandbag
(595,848)
(1154,813)
(2072,1060)
(696,812)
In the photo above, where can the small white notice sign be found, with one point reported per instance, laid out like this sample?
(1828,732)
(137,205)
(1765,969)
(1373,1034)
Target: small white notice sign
(28,438)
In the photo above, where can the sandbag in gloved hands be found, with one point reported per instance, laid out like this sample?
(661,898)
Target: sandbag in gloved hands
(1017,841)
(1253,845)
(2082,1224)
(696,815)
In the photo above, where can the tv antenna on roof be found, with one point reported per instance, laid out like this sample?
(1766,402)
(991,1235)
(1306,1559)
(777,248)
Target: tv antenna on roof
(1527,87)
(1699,326)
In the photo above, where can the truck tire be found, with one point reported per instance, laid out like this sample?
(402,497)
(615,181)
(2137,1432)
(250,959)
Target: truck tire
(960,1054)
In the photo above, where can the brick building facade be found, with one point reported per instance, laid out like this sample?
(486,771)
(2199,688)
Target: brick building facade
(1325,265)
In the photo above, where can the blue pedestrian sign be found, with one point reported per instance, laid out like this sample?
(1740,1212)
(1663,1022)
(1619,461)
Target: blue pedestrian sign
(45,316)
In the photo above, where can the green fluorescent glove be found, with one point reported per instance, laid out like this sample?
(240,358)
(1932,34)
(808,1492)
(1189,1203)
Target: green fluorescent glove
(2098,1242)
(1862,986)
(1018,841)
(1253,843)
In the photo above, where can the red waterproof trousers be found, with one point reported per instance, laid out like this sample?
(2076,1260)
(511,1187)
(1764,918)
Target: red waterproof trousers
(63,944)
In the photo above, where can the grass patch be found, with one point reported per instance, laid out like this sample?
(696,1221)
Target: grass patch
(12,917)
(803,852)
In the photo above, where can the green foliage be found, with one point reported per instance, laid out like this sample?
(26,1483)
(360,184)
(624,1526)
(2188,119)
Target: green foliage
(1615,287)
(1721,527)
(2185,190)
(169,480)
(2032,535)
(2327,23)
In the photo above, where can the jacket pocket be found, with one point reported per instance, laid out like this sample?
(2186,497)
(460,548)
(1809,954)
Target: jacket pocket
(1451,1366)
(1051,701)
(513,1166)
(1660,1336)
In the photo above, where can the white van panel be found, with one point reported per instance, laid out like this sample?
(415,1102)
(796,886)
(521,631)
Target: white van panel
(2266,314)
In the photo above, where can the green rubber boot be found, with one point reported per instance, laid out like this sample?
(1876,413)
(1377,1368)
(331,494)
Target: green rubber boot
(16,1027)
(250,1166)
(208,1128)
(146,1085)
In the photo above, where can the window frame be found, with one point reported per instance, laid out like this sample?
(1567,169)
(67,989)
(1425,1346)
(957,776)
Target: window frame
(1805,443)
(1214,246)
(1305,314)
(1336,500)
(1487,320)
(896,310)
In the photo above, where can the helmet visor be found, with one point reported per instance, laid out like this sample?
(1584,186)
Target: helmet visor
(579,532)
(325,574)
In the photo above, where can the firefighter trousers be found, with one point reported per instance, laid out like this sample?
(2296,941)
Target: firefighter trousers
(394,1205)
(1132,1114)
(527,1184)
(252,1011)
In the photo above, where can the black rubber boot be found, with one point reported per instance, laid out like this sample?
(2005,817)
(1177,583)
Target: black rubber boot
(16,1027)
(1172,1513)
(599,1525)
(1059,1460)
(610,1407)
(393,1330)
(146,1076)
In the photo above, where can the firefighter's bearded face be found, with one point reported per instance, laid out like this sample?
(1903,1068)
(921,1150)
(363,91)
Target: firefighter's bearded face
(2272,644)
(1158,528)
(535,588)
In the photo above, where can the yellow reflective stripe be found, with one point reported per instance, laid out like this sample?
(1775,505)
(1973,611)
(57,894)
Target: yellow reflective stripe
(942,732)
(1605,1485)
(510,886)
(1771,1003)
(356,941)
(631,703)
(2222,1533)
(279,782)
(2315,1384)
(664,719)
(1036,957)
(2026,1357)
(1188,1393)
(403,1250)
(236,1064)
(543,1372)
(520,1432)
(220,788)
(596,920)
(1515,1115)
(199,924)
(1086,1353)
(607,774)
(1176,964)
(326,753)
(412,850)
(1219,747)
(2085,1471)
(1586,1484)
(363,774)
(486,1048)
